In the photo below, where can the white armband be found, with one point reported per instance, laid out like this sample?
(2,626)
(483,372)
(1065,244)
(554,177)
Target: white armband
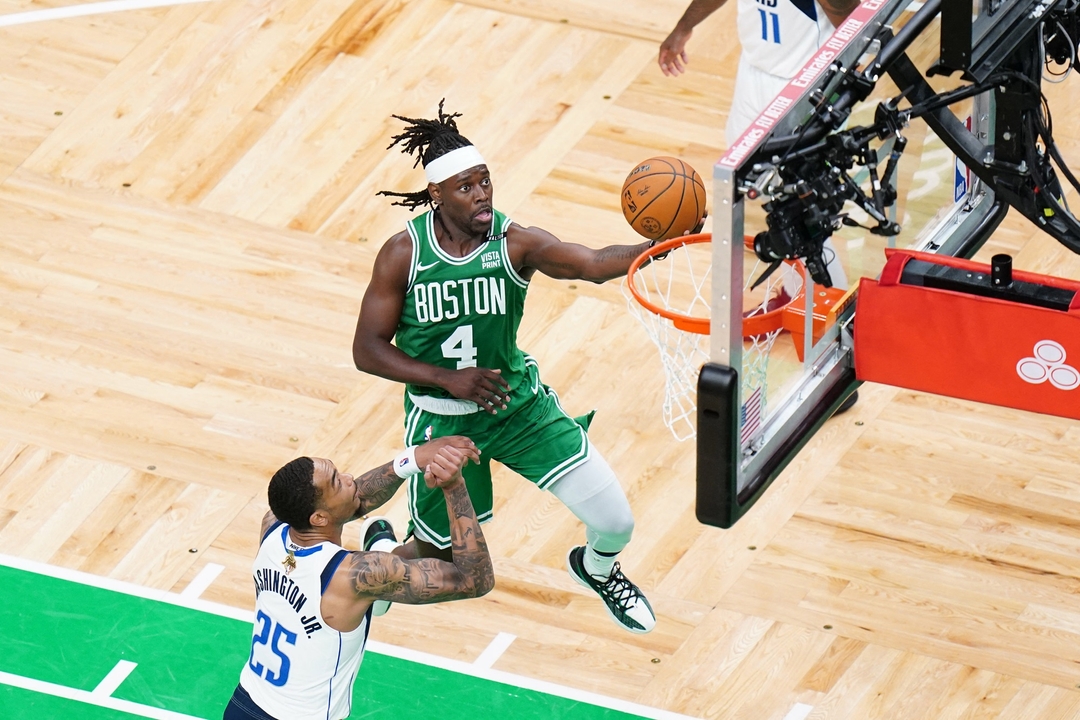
(405,463)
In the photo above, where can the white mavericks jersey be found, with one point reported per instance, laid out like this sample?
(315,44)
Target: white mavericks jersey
(299,668)
(779,36)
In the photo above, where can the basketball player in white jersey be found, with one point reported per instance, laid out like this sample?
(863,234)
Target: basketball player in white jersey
(777,38)
(313,598)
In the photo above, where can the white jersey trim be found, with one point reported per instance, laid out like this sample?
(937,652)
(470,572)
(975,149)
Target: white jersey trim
(415,257)
(433,242)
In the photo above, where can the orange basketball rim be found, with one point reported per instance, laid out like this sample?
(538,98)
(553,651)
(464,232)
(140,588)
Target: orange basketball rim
(758,324)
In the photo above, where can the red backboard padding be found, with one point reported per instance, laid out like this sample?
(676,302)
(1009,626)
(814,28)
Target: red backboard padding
(966,346)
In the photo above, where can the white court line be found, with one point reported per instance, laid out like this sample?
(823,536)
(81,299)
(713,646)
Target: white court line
(462,668)
(116,676)
(127,588)
(104,701)
(494,650)
(98,8)
(799,712)
(198,585)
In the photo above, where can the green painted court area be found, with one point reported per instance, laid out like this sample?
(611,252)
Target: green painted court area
(188,661)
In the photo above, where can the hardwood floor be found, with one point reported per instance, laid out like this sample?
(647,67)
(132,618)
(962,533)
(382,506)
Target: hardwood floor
(190,221)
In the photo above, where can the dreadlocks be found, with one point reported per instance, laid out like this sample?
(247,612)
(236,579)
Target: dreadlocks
(427,140)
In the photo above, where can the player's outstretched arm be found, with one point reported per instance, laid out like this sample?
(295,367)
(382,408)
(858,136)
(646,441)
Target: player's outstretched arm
(375,575)
(673,58)
(378,485)
(380,313)
(537,249)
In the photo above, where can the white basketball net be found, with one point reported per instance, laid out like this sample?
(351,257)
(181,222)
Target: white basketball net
(681,283)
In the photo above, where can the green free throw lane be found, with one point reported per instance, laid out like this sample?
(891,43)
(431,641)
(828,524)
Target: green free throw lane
(187,661)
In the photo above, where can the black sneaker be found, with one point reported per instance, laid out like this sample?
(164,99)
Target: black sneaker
(374,530)
(625,603)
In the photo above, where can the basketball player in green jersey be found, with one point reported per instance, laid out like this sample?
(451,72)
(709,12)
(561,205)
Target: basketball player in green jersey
(441,315)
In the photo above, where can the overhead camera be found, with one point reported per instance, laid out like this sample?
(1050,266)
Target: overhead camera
(799,223)
(806,176)
(1062,35)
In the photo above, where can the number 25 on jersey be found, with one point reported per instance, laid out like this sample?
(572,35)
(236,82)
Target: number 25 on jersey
(273,640)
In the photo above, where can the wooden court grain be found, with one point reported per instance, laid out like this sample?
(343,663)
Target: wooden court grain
(190,220)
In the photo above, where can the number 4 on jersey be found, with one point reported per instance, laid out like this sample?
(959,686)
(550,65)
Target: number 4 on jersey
(460,345)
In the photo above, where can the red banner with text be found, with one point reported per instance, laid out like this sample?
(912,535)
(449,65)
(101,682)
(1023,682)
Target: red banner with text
(966,346)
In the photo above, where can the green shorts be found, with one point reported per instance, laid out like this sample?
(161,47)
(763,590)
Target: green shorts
(534,437)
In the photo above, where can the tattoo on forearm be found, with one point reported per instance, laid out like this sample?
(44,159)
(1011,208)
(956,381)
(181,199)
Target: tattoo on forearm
(619,252)
(425,580)
(469,547)
(458,500)
(377,486)
(421,581)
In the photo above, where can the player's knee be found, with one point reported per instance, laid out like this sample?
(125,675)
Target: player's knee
(617,528)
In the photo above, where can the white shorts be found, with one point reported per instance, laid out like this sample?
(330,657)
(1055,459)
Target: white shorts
(754,90)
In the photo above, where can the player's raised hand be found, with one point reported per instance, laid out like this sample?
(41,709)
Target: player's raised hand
(444,470)
(487,388)
(426,453)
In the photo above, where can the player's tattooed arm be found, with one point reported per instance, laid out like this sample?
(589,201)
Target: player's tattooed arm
(413,582)
(469,572)
(429,580)
(469,545)
(376,486)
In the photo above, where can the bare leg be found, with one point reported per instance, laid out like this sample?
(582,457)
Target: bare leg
(417,548)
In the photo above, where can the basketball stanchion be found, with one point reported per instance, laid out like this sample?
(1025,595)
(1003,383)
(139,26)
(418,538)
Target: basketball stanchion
(671,298)
(972,331)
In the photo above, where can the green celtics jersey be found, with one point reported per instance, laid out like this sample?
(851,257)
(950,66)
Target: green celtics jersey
(462,312)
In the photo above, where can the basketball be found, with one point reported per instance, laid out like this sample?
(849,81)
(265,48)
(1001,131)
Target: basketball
(663,197)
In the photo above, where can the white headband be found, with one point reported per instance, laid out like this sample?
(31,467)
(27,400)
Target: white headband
(453,162)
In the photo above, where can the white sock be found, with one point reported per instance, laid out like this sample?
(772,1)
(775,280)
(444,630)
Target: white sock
(598,564)
(384,545)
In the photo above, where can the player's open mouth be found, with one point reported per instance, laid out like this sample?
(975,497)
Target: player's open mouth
(484,215)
